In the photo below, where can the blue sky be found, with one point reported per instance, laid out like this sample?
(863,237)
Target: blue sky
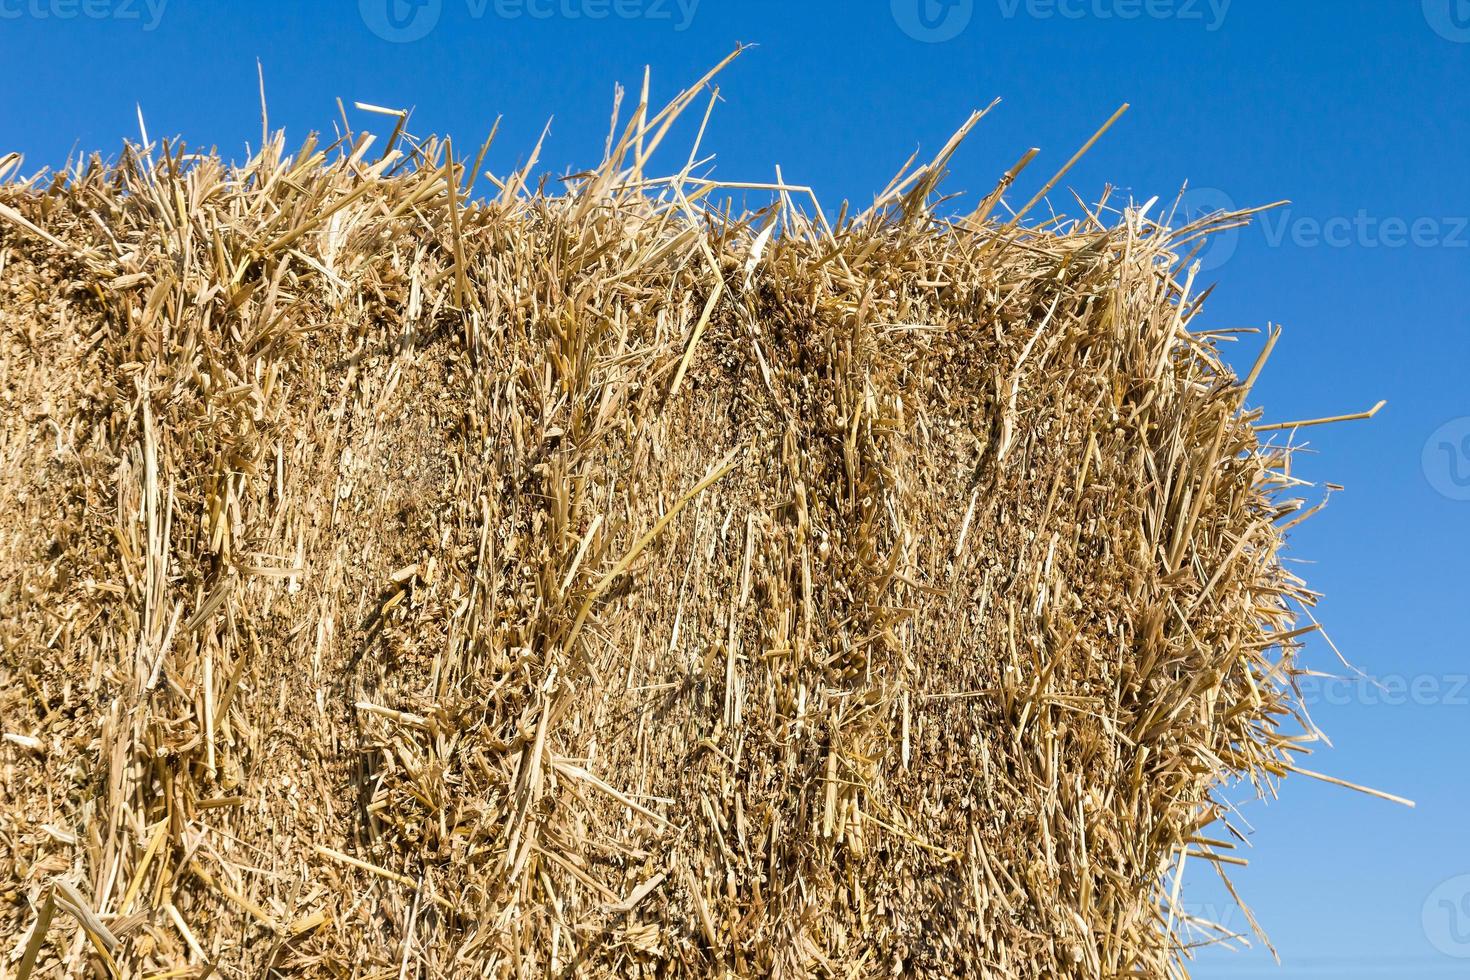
(1355,110)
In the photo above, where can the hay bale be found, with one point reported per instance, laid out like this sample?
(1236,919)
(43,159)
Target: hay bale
(396,585)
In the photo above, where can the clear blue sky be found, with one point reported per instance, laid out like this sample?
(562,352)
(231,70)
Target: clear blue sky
(1358,111)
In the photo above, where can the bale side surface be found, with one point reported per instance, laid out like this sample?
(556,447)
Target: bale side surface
(392,586)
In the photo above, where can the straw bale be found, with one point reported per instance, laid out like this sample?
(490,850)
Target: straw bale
(406,578)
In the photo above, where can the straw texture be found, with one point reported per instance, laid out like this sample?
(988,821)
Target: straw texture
(405,580)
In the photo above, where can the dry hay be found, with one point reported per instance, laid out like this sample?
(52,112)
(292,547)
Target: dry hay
(399,581)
